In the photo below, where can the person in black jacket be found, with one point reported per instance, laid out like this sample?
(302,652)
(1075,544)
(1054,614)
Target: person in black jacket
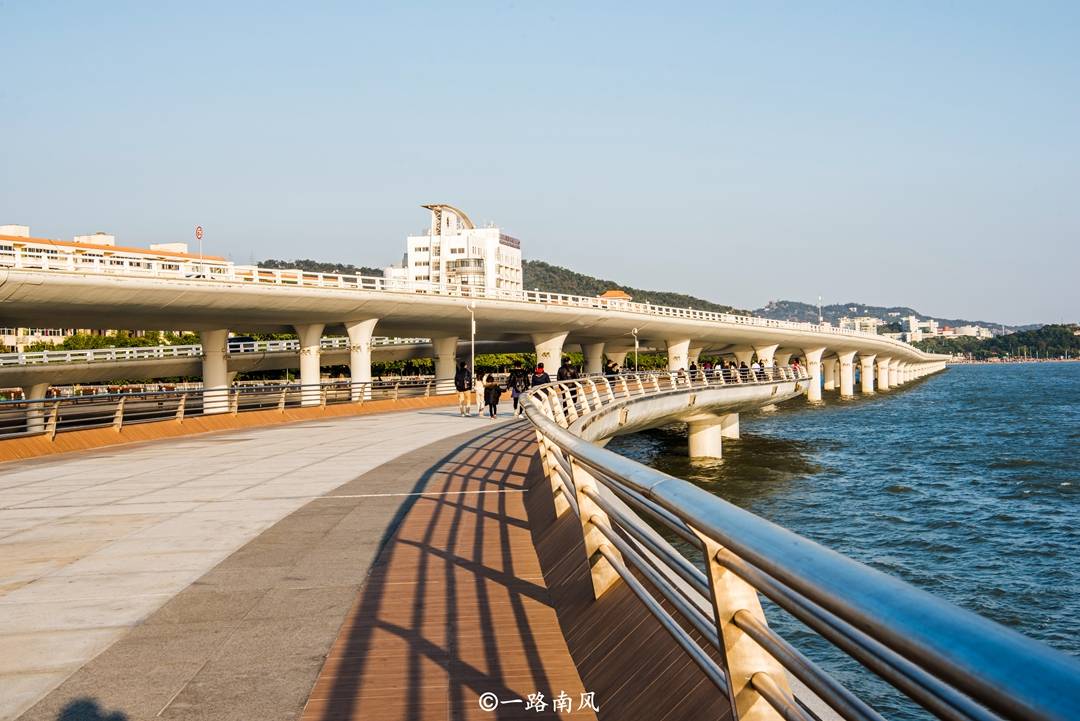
(540,376)
(492,393)
(568,372)
(463,383)
(517,383)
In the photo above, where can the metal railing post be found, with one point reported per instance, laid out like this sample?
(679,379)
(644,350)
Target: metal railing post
(601,571)
(234,402)
(118,417)
(50,425)
(180,408)
(550,464)
(744,659)
(281,400)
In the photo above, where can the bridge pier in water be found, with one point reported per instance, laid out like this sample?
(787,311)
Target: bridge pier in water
(828,370)
(866,377)
(883,364)
(706,432)
(813,368)
(847,374)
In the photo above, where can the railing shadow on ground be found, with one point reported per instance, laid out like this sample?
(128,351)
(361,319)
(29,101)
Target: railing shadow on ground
(445,615)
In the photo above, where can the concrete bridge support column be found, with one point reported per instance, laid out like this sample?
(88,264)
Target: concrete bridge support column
(829,371)
(704,434)
(310,369)
(35,414)
(883,373)
(360,357)
(215,370)
(549,350)
(445,363)
(894,373)
(766,354)
(618,359)
(813,369)
(729,426)
(867,370)
(743,356)
(594,357)
(847,374)
(693,356)
(782,359)
(678,353)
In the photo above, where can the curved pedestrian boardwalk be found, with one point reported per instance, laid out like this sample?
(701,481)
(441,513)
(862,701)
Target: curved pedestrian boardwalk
(456,607)
(416,590)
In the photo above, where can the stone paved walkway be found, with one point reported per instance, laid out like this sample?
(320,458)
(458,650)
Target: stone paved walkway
(92,545)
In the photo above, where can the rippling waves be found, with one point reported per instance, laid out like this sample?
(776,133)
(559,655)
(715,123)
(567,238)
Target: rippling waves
(964,484)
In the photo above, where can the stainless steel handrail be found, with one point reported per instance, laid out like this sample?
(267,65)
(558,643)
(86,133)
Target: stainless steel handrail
(951,662)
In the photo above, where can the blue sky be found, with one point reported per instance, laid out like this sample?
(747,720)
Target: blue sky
(891,153)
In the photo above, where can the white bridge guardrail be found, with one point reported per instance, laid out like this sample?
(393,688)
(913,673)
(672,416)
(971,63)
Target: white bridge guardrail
(50,416)
(94,355)
(951,662)
(27,256)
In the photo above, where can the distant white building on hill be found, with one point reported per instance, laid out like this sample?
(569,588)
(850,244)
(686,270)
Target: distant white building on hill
(456,254)
(863,324)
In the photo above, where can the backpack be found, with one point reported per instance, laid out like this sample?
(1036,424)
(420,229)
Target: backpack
(520,381)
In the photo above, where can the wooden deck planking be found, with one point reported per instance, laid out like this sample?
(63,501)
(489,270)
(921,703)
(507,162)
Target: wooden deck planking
(455,606)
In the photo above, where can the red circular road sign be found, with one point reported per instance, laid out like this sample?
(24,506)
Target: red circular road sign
(198,232)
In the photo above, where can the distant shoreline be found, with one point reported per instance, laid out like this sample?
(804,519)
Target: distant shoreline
(1011,361)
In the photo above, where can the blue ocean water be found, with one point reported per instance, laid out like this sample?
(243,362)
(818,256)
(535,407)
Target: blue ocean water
(965,483)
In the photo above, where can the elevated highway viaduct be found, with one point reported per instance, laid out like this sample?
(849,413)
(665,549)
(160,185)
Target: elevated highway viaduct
(38,290)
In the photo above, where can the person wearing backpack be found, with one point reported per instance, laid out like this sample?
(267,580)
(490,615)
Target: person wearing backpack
(463,383)
(517,383)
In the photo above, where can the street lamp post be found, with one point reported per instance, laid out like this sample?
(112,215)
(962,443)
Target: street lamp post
(634,331)
(472,350)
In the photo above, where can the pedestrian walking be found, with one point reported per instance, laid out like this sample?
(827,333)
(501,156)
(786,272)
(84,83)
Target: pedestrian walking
(492,393)
(517,383)
(540,376)
(463,383)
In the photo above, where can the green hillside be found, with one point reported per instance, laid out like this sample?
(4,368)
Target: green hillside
(1050,341)
(315,266)
(808,313)
(538,274)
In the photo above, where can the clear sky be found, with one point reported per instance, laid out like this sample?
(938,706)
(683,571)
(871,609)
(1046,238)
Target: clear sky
(915,153)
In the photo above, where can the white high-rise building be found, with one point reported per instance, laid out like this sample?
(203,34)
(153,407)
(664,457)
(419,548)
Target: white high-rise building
(455,254)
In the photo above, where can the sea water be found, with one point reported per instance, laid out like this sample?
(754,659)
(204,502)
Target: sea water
(965,483)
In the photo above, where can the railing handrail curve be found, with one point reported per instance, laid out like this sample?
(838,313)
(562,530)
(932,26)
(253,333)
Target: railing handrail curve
(994,666)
